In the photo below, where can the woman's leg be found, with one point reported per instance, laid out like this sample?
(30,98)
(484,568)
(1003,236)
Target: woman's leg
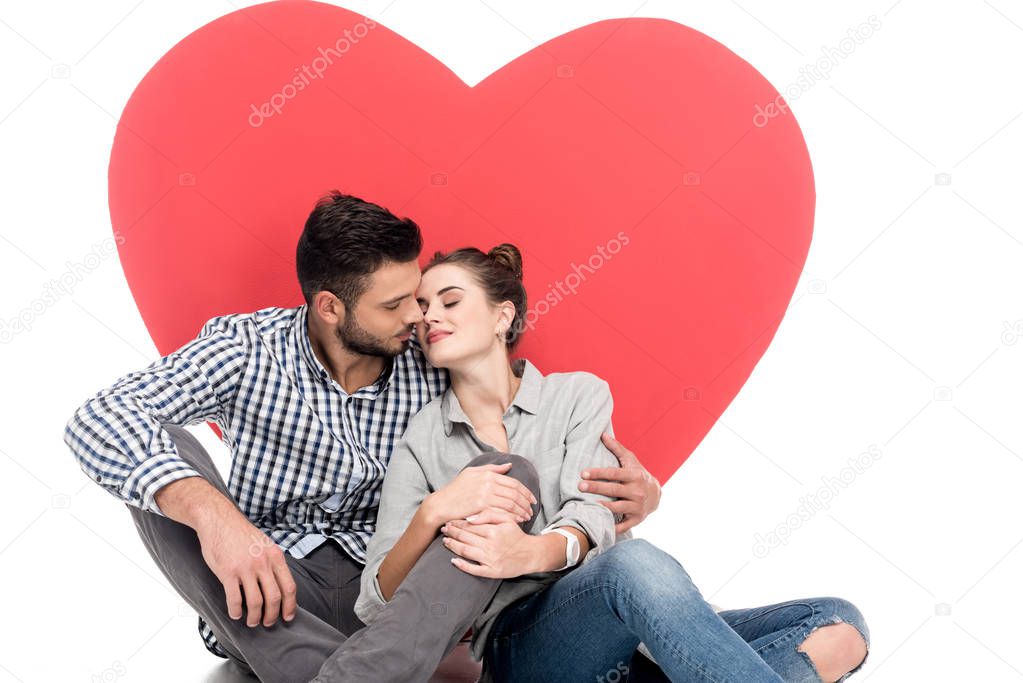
(824,638)
(429,612)
(836,647)
(587,625)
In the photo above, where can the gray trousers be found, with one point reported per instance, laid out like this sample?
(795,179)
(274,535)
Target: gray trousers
(326,642)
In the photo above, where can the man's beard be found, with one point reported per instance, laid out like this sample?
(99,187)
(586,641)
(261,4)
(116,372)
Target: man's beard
(357,340)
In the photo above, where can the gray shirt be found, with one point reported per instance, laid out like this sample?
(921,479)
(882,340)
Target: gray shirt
(554,421)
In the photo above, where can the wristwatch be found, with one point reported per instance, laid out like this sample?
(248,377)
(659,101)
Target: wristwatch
(571,550)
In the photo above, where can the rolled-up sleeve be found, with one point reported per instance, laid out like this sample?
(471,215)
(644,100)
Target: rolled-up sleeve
(404,488)
(584,449)
(116,436)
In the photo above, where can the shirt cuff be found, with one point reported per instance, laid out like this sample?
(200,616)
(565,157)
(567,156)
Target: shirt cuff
(370,600)
(591,522)
(152,474)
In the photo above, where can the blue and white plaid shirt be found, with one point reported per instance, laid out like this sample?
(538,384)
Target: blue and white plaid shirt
(308,459)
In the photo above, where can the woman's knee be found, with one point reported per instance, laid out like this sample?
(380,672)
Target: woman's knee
(841,610)
(843,649)
(645,569)
(522,470)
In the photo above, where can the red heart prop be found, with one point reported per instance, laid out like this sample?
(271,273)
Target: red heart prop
(663,228)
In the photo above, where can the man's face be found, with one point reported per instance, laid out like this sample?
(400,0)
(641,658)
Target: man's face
(381,322)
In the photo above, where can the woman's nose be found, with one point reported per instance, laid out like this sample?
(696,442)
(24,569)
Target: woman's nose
(432,315)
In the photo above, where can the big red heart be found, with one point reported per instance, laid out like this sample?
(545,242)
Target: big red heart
(663,228)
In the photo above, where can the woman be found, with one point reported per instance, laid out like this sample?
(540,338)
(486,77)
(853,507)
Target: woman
(527,624)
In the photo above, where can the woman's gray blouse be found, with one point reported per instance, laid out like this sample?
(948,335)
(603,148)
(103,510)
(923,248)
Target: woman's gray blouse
(554,421)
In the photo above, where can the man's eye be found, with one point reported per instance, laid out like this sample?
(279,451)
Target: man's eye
(392,308)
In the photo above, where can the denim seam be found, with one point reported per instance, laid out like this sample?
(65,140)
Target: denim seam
(775,609)
(813,613)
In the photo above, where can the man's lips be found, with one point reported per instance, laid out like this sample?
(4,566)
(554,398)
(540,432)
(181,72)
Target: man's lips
(436,336)
(405,337)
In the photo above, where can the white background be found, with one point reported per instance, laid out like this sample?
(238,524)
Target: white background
(904,335)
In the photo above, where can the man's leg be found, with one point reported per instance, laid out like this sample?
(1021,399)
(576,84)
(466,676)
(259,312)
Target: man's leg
(428,613)
(335,576)
(292,651)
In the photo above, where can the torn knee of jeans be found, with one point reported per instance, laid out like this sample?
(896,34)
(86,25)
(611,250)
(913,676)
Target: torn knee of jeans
(832,620)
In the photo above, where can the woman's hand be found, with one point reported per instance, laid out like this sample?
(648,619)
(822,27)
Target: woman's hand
(474,490)
(494,541)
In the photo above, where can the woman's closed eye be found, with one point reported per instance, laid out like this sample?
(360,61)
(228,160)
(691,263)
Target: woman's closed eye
(424,307)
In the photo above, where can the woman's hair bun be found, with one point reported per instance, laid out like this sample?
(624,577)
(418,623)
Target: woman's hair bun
(509,256)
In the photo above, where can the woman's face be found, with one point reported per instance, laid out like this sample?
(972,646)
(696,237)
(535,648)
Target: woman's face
(459,323)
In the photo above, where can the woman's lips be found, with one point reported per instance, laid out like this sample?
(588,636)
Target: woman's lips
(435,337)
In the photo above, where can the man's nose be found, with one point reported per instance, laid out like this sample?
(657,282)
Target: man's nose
(415,316)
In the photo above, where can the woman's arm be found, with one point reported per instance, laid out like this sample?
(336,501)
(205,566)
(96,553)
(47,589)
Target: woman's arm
(473,490)
(502,550)
(406,552)
(401,534)
(583,512)
(409,516)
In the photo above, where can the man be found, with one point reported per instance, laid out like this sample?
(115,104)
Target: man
(310,401)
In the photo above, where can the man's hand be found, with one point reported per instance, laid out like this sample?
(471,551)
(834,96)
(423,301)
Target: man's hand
(639,492)
(248,562)
(237,553)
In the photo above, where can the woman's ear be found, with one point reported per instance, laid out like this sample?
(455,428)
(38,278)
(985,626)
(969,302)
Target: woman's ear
(507,314)
(505,318)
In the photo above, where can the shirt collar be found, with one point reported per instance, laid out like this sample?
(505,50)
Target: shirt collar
(301,332)
(527,397)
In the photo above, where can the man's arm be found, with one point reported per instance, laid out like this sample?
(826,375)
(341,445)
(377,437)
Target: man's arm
(117,435)
(118,439)
(638,491)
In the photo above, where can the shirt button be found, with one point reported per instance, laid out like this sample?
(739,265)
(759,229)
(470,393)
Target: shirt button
(135,495)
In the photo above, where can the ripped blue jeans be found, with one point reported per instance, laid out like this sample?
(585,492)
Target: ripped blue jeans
(586,627)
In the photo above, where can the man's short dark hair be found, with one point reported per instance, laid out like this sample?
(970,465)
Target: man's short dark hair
(345,240)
